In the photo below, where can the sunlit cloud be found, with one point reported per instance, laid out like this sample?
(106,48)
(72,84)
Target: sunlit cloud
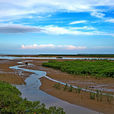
(78,22)
(11,8)
(50,29)
(98,14)
(71,31)
(83,28)
(110,20)
(52,46)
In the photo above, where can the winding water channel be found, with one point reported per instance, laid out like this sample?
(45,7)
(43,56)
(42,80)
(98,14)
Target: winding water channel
(32,92)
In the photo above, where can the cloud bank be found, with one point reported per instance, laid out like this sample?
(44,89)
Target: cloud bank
(52,46)
(11,8)
(17,28)
(51,29)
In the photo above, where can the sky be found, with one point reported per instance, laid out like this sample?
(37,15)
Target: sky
(56,26)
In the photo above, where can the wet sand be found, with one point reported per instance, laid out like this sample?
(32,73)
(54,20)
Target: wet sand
(81,99)
(9,75)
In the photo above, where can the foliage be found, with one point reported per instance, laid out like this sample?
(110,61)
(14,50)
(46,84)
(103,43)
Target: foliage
(92,95)
(70,88)
(65,87)
(12,103)
(98,68)
(57,86)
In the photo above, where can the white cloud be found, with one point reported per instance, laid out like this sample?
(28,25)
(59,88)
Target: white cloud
(78,22)
(110,20)
(50,29)
(52,46)
(98,14)
(70,31)
(11,8)
(83,28)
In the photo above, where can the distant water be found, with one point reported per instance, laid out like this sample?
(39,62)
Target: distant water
(74,58)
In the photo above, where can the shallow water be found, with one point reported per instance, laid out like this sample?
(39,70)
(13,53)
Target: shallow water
(32,92)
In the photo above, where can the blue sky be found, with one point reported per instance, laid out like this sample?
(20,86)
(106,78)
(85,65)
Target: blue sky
(56,26)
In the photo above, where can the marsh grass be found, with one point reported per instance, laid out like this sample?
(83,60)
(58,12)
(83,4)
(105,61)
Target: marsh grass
(109,99)
(92,96)
(65,87)
(70,88)
(57,86)
(98,95)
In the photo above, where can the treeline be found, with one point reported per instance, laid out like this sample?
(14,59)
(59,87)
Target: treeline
(98,68)
(79,55)
(12,103)
(64,55)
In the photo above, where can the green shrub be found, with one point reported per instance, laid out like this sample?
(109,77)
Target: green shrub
(92,96)
(65,87)
(98,68)
(12,103)
(57,86)
(70,88)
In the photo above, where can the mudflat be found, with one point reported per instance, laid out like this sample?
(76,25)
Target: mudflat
(9,75)
(82,99)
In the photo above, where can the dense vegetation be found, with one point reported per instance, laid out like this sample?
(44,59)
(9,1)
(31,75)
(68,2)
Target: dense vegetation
(98,68)
(12,103)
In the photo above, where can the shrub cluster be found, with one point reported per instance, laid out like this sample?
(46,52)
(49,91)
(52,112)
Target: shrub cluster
(12,103)
(98,68)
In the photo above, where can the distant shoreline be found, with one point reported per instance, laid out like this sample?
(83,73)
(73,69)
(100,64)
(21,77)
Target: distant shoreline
(61,55)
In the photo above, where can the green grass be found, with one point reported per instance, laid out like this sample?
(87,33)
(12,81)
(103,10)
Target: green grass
(12,103)
(98,68)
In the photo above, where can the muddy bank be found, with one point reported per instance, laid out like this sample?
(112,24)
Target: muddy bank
(104,84)
(32,92)
(85,82)
(9,75)
(81,99)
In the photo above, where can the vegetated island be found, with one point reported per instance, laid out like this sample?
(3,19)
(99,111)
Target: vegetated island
(97,68)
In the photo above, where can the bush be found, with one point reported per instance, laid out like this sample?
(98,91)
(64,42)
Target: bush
(98,68)
(12,103)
